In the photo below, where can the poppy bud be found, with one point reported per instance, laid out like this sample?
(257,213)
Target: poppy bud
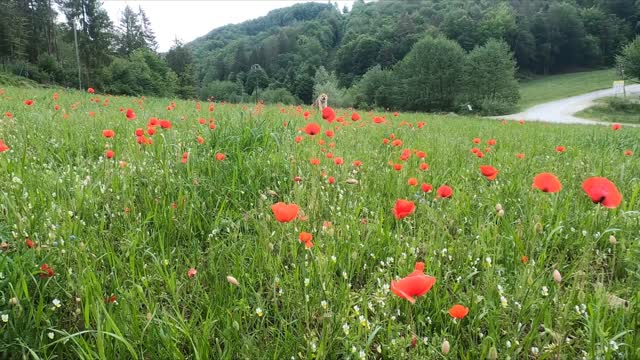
(13,301)
(538,228)
(612,240)
(493,353)
(498,207)
(445,347)
(500,213)
(232,280)
(352,181)
(556,276)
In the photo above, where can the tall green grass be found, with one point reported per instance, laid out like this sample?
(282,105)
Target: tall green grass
(555,87)
(135,231)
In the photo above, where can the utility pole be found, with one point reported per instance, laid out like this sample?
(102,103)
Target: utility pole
(75,39)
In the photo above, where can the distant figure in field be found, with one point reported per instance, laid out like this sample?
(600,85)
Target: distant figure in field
(321,101)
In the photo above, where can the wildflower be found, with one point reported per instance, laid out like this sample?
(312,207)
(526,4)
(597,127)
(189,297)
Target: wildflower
(489,172)
(413,285)
(547,182)
(192,272)
(601,190)
(557,277)
(445,347)
(403,208)
(285,212)
(306,238)
(259,312)
(108,133)
(458,311)
(444,191)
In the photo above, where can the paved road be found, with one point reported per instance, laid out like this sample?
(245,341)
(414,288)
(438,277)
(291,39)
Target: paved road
(562,111)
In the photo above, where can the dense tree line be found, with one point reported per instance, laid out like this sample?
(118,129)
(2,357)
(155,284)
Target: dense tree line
(37,40)
(369,56)
(365,50)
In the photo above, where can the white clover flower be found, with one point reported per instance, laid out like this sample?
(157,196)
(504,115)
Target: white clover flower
(324,304)
(545,291)
(345,328)
(5,318)
(259,312)
(50,335)
(56,303)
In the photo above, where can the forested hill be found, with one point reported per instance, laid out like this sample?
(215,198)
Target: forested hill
(290,44)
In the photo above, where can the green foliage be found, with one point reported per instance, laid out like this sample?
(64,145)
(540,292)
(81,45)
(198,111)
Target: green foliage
(431,75)
(375,89)
(629,59)
(143,74)
(489,79)
(222,91)
(327,83)
(278,96)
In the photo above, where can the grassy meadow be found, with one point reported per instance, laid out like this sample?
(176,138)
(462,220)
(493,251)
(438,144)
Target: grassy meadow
(556,87)
(604,110)
(170,248)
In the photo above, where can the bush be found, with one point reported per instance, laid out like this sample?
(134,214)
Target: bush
(629,60)
(222,91)
(490,84)
(431,75)
(620,104)
(274,96)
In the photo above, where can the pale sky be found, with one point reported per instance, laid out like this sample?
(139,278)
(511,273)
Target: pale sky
(188,20)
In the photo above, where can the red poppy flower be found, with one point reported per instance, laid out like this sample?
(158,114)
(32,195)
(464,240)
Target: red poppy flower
(306,238)
(131,115)
(520,156)
(191,273)
(3,147)
(521,122)
(602,191)
(28,102)
(312,129)
(30,244)
(403,208)
(355,116)
(139,132)
(547,182)
(220,156)
(338,161)
(284,212)
(378,120)
(8,114)
(306,114)
(444,191)
(329,155)
(489,172)
(616,126)
(480,154)
(458,311)
(331,180)
(426,187)
(328,114)
(560,148)
(315,161)
(200,140)
(524,259)
(165,124)
(628,153)
(421,154)
(424,166)
(397,167)
(185,157)
(56,107)
(329,133)
(109,154)
(385,141)
(421,124)
(46,271)
(357,163)
(151,130)
(491,142)
(108,133)
(396,142)
(111,299)
(413,285)
(412,181)
(298,139)
(476,140)
(91,90)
